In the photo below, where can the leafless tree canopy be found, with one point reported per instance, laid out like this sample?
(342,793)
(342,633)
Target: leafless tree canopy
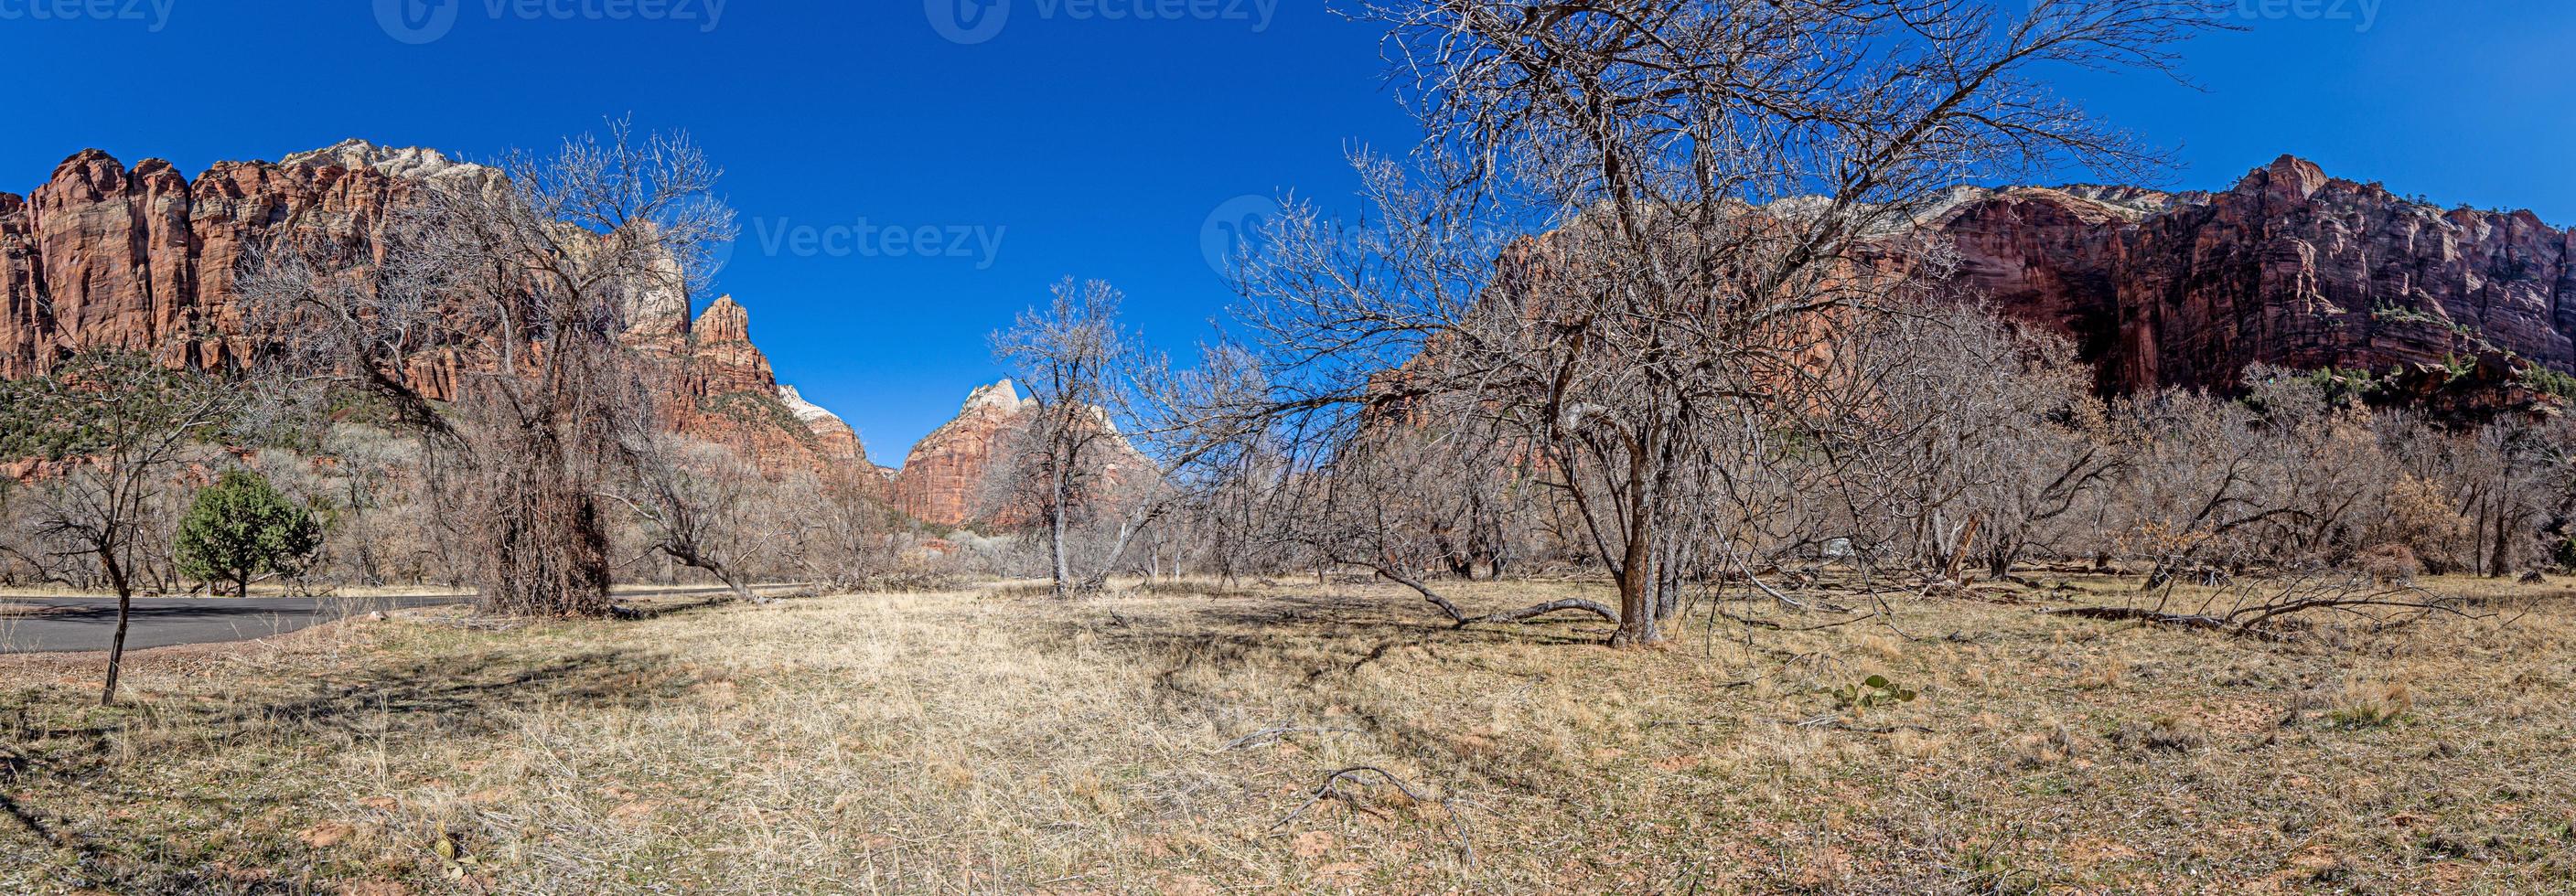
(491,321)
(1717,183)
(1119,441)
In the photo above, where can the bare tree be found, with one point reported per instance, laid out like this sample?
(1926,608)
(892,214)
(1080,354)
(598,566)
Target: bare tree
(1118,439)
(1074,357)
(1400,501)
(1721,180)
(1962,437)
(696,502)
(489,316)
(119,422)
(2511,475)
(837,527)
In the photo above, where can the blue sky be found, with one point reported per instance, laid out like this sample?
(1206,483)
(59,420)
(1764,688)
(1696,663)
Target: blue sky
(1062,141)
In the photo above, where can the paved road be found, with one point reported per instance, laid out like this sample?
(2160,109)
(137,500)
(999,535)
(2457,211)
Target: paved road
(166,622)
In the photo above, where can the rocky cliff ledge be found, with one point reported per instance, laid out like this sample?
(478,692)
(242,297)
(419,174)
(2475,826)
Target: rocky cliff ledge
(2289,267)
(142,258)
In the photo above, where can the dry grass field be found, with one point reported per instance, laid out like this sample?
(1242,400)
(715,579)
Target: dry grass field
(1165,740)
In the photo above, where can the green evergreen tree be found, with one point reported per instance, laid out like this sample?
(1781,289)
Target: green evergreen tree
(240,528)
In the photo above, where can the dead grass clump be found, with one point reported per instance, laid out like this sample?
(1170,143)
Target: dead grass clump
(2389,564)
(2103,674)
(1020,590)
(2371,704)
(2166,733)
(2041,749)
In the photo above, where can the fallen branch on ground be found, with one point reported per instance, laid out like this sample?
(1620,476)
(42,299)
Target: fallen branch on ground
(1328,790)
(1270,734)
(2249,609)
(1836,721)
(1774,626)
(1689,723)
(1525,614)
(2140,614)
(1459,618)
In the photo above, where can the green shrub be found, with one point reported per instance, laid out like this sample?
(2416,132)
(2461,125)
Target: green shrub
(241,528)
(2546,380)
(1876,691)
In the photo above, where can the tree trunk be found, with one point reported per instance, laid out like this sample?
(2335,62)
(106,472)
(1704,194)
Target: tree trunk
(680,555)
(1055,534)
(124,615)
(1637,626)
(1637,592)
(2499,556)
(544,552)
(1956,568)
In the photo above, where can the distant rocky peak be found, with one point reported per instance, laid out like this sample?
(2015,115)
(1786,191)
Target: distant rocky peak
(408,162)
(1003,397)
(2290,267)
(805,411)
(724,320)
(2288,177)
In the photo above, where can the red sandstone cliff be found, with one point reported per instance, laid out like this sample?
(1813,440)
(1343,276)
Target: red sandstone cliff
(943,480)
(948,479)
(143,259)
(2289,267)
(730,396)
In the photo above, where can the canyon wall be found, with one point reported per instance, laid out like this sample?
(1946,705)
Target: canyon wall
(2289,267)
(944,478)
(951,476)
(141,258)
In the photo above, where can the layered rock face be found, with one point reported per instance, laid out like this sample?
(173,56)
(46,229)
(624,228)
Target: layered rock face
(951,476)
(730,396)
(833,435)
(942,481)
(2290,267)
(103,256)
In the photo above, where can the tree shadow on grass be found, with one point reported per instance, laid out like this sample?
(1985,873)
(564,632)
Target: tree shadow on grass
(1286,633)
(1352,617)
(460,694)
(82,767)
